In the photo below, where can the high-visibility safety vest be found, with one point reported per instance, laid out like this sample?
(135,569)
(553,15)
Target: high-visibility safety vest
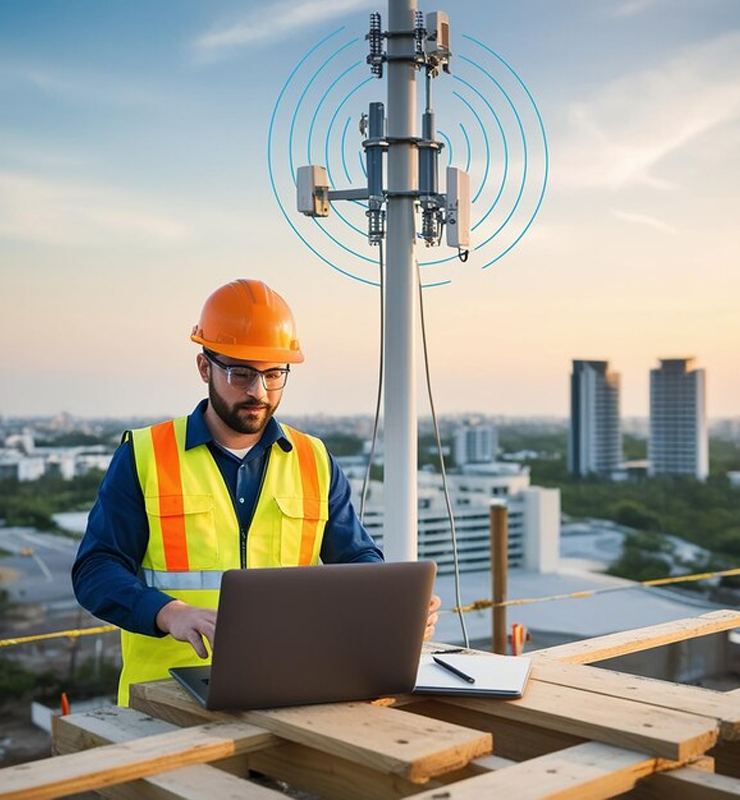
(194,531)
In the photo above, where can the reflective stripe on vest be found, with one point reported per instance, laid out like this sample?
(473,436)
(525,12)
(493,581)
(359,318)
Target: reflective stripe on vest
(179,581)
(171,507)
(194,531)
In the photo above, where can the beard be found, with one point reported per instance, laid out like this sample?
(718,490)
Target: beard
(247,416)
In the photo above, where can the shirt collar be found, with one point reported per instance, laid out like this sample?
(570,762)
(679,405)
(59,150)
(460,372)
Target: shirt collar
(197,431)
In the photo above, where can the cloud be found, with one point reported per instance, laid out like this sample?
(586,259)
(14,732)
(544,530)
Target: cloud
(644,219)
(625,137)
(60,213)
(74,86)
(275,22)
(631,8)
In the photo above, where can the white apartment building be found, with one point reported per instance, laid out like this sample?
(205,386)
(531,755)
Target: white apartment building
(67,462)
(475,444)
(533,518)
(679,441)
(595,440)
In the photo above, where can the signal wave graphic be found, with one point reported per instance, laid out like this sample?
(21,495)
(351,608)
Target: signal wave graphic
(487,120)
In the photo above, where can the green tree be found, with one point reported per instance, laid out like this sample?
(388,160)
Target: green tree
(633,514)
(637,565)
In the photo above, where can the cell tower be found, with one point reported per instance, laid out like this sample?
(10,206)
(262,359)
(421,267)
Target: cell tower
(409,208)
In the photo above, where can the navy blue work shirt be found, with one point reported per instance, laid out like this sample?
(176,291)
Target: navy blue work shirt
(105,574)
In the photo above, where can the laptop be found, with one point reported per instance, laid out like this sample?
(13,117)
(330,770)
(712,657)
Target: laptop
(290,636)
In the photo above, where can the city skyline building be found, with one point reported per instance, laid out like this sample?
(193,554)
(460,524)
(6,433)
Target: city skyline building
(475,443)
(533,517)
(595,436)
(679,440)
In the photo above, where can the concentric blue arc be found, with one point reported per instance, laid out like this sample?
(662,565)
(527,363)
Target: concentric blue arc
(524,146)
(320,225)
(452,139)
(327,160)
(342,150)
(272,174)
(448,143)
(303,95)
(544,143)
(467,147)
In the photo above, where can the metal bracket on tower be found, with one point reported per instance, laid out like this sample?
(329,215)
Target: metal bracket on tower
(431,52)
(420,33)
(376,56)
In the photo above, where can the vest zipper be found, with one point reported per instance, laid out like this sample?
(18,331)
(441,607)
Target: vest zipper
(243,532)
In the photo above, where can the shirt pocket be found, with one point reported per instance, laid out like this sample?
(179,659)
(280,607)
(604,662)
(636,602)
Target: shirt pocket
(193,515)
(300,521)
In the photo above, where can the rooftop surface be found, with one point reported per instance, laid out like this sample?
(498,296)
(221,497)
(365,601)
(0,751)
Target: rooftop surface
(568,619)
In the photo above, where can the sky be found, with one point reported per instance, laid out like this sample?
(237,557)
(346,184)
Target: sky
(147,152)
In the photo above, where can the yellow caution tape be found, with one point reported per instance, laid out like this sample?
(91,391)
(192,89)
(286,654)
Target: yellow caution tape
(72,634)
(476,605)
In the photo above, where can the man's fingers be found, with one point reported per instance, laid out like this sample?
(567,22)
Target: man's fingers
(196,641)
(208,631)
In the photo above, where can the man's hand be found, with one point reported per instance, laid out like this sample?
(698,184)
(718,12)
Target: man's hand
(188,623)
(434,605)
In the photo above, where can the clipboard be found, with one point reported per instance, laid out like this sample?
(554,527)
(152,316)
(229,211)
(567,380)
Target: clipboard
(495,675)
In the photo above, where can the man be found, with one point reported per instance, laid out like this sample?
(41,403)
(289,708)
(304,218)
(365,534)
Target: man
(226,487)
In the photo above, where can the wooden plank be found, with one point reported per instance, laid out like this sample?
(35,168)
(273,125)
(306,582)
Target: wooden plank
(86,730)
(381,738)
(333,777)
(588,771)
(117,763)
(517,741)
(686,783)
(722,706)
(727,758)
(601,648)
(661,732)
(300,766)
(727,754)
(385,739)
(167,700)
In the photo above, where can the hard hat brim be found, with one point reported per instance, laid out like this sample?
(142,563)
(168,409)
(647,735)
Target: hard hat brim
(250,352)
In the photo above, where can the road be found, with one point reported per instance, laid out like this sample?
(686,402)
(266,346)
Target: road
(43,577)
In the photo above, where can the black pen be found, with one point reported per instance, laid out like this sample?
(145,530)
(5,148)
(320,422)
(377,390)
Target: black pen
(454,670)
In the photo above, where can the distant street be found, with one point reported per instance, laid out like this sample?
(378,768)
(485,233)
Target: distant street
(38,569)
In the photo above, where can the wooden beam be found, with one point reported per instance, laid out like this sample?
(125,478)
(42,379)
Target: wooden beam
(727,758)
(167,700)
(381,738)
(677,784)
(661,732)
(727,754)
(103,726)
(517,741)
(686,783)
(117,763)
(722,706)
(613,645)
(106,726)
(589,771)
(299,766)
(333,777)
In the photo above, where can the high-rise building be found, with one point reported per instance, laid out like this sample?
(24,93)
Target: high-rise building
(475,443)
(595,441)
(679,443)
(533,518)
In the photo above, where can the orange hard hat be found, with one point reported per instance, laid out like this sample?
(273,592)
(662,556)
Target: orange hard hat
(245,319)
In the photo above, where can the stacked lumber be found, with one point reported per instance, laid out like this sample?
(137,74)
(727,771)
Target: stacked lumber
(579,732)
